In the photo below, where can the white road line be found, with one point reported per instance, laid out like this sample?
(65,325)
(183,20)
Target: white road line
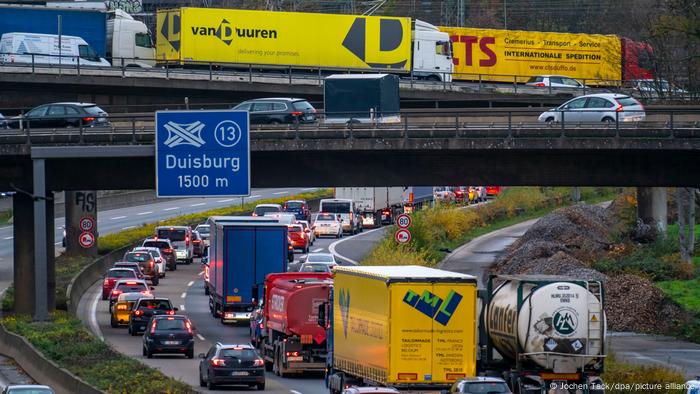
(171,208)
(118,217)
(190,284)
(331,247)
(8,237)
(317,250)
(183,295)
(278,193)
(93,315)
(201,338)
(144,213)
(200,273)
(295,392)
(308,188)
(226,200)
(255,196)
(199,204)
(182,308)
(58,243)
(128,227)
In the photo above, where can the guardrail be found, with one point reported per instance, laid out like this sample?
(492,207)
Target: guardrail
(139,128)
(295,74)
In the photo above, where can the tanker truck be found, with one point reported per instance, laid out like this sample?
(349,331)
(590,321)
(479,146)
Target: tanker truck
(285,329)
(543,331)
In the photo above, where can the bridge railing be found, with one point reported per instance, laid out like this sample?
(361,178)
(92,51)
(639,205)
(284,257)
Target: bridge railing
(471,123)
(310,75)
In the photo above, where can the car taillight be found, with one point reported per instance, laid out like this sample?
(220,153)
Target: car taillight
(539,84)
(146,292)
(116,292)
(217,362)
(171,312)
(188,325)
(168,250)
(106,282)
(297,113)
(88,119)
(152,263)
(138,313)
(187,240)
(121,307)
(292,354)
(153,327)
(258,362)
(619,108)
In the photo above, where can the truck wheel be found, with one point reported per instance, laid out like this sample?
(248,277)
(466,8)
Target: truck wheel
(113,322)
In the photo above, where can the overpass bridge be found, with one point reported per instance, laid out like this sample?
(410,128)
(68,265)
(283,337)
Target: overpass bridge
(457,149)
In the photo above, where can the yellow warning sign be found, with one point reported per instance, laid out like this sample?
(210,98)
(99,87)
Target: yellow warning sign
(594,318)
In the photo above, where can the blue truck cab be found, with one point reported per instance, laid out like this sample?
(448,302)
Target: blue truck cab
(242,251)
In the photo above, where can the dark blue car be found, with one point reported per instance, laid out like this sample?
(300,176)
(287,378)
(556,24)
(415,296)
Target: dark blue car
(299,208)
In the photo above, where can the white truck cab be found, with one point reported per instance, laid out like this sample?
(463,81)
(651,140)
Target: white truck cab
(130,40)
(44,49)
(432,53)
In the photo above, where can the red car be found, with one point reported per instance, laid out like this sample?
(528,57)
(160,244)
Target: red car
(298,237)
(112,276)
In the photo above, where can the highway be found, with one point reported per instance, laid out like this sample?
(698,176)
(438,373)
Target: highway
(124,218)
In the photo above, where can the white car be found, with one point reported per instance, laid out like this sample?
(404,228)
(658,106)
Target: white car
(316,267)
(327,224)
(555,81)
(320,258)
(157,256)
(308,230)
(596,108)
(657,88)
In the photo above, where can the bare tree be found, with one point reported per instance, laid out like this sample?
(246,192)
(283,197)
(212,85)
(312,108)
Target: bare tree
(685,200)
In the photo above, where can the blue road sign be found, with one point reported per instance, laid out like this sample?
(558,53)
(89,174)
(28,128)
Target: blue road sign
(202,153)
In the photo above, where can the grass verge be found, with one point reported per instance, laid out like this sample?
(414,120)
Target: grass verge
(67,342)
(624,378)
(5,217)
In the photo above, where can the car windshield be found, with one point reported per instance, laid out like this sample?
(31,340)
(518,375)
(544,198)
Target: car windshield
(336,207)
(154,253)
(534,79)
(170,325)
(261,211)
(320,258)
(161,305)
(485,387)
(238,353)
(29,390)
(156,244)
(315,268)
(325,216)
(172,234)
(627,101)
(138,257)
(131,266)
(202,229)
(294,229)
(302,106)
(294,205)
(126,273)
(94,110)
(132,288)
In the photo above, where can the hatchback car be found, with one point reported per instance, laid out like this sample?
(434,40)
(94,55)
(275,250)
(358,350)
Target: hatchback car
(144,309)
(121,312)
(128,286)
(481,385)
(596,108)
(197,244)
(169,334)
(203,230)
(166,249)
(147,264)
(231,365)
(278,110)
(57,115)
(300,208)
(180,238)
(262,209)
(308,231)
(132,266)
(555,81)
(157,256)
(114,275)
(327,224)
(298,237)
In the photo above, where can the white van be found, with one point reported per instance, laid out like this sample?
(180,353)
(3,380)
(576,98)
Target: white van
(347,210)
(19,48)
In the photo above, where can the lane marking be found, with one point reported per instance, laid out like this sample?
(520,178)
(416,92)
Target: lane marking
(171,208)
(144,213)
(58,243)
(93,315)
(331,247)
(317,250)
(128,227)
(200,273)
(295,392)
(8,237)
(118,217)
(226,200)
(199,204)
(255,196)
(278,193)
(190,284)
(183,295)
(182,307)
(308,188)
(201,338)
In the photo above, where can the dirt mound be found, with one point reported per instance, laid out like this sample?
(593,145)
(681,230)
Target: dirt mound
(634,304)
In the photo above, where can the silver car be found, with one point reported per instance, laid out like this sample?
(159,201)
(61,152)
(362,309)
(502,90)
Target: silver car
(596,108)
(555,81)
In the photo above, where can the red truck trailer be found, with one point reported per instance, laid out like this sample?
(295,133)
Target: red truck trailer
(285,329)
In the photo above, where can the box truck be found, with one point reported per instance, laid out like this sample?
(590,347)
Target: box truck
(377,205)
(408,327)
(285,329)
(242,252)
(415,197)
(114,35)
(361,98)
(282,40)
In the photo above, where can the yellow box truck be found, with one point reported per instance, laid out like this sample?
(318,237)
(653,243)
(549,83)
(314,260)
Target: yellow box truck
(269,39)
(407,327)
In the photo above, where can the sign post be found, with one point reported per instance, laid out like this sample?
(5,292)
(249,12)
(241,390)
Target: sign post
(202,153)
(403,236)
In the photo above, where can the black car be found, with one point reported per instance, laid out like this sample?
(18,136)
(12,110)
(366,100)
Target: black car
(278,110)
(58,115)
(169,334)
(231,364)
(147,264)
(145,309)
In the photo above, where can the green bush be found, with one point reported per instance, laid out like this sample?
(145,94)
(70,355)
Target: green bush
(68,343)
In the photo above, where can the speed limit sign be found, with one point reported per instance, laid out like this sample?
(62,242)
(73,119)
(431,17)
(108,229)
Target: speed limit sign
(403,221)
(87,223)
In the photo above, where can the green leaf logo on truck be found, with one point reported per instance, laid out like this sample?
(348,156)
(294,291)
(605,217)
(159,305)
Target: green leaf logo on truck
(433,306)
(344,303)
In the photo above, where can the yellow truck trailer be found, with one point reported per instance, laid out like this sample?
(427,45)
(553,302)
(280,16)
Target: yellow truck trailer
(408,327)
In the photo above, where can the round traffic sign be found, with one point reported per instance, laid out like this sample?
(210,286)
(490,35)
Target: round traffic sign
(403,221)
(87,223)
(86,239)
(403,236)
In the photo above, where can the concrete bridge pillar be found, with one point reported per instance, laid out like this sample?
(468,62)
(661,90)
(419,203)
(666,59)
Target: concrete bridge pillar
(652,207)
(23,210)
